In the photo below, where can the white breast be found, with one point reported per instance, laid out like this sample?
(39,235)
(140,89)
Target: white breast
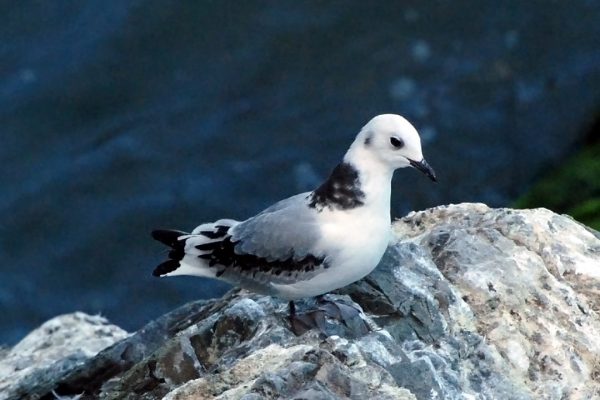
(354,242)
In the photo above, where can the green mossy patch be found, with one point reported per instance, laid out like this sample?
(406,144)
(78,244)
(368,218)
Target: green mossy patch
(573,188)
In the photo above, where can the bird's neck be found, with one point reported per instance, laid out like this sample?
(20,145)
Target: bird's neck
(375,177)
(359,181)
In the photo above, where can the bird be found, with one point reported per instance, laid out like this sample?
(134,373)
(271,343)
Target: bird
(314,242)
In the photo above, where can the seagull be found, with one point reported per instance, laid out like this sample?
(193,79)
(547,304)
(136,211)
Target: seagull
(314,242)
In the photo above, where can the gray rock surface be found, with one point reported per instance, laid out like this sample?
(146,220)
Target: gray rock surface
(468,303)
(53,350)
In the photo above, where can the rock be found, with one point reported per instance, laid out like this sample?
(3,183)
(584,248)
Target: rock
(468,302)
(50,352)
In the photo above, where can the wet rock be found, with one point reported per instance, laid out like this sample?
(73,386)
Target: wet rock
(468,302)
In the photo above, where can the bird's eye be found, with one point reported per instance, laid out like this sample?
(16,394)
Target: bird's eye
(397,143)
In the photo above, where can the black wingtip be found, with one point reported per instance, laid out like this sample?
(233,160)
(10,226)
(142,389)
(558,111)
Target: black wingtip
(165,268)
(168,236)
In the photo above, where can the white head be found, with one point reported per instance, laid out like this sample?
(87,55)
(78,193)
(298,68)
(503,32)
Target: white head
(392,141)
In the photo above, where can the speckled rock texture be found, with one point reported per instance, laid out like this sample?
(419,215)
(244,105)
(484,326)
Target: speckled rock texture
(53,350)
(468,303)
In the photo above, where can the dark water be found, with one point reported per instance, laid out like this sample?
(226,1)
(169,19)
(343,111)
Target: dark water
(117,117)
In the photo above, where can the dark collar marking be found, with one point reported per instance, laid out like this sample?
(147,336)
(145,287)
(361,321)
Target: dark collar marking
(340,191)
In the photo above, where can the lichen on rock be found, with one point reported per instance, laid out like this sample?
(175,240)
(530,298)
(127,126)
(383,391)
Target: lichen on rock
(468,302)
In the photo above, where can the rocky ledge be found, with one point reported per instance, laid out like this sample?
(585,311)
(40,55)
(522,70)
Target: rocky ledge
(468,303)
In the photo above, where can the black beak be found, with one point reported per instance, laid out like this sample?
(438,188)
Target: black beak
(424,168)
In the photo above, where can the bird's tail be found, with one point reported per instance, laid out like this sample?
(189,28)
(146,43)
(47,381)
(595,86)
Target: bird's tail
(185,258)
(176,254)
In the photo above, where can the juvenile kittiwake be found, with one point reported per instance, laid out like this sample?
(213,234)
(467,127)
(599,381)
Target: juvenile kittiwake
(313,242)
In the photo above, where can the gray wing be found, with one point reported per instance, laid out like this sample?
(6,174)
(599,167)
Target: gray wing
(287,230)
